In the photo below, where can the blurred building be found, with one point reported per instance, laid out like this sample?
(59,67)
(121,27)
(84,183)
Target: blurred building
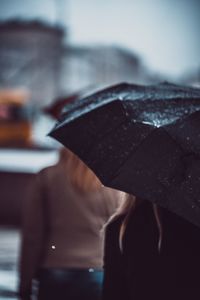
(30,57)
(100,66)
(30,61)
(33,55)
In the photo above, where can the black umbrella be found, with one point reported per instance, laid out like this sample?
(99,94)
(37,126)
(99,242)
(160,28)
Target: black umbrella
(144,140)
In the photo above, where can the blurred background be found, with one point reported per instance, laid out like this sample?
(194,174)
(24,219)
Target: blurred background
(55,51)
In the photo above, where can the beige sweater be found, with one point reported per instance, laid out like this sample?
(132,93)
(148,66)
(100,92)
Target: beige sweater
(63,228)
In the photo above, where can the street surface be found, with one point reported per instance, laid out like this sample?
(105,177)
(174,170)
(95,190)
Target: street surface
(9,253)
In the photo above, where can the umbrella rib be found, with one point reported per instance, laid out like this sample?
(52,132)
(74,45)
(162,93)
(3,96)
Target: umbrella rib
(118,126)
(105,135)
(111,130)
(135,149)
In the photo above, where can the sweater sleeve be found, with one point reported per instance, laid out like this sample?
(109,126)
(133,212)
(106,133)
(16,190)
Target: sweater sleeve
(32,245)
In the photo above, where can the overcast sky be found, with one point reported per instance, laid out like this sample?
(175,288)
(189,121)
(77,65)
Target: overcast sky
(165,33)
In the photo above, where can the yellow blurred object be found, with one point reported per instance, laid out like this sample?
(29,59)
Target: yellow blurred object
(15,124)
(15,132)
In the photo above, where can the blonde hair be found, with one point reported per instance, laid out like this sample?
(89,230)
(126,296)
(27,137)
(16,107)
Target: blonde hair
(127,208)
(80,176)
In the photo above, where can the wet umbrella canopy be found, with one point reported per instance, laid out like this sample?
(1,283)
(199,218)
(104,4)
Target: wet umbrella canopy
(144,140)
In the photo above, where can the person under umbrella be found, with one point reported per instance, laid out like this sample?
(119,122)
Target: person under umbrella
(144,140)
(62,241)
(150,253)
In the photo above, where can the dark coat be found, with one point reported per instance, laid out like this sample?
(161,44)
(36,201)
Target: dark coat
(141,272)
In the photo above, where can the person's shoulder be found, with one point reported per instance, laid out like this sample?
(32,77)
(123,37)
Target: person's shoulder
(112,192)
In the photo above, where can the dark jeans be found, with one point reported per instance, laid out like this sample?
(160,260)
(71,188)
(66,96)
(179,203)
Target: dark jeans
(70,284)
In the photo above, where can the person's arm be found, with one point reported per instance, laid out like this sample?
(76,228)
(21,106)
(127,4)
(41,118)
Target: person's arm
(32,238)
(114,283)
